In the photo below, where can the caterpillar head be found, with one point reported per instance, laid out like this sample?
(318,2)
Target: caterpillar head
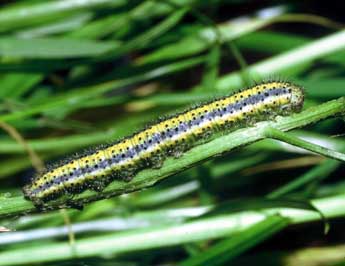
(297,97)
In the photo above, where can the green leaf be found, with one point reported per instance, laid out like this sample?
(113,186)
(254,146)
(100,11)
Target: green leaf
(326,88)
(211,69)
(16,84)
(53,47)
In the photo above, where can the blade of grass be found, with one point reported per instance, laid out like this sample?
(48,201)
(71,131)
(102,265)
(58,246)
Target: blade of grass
(318,172)
(115,223)
(154,32)
(279,135)
(100,27)
(15,85)
(211,69)
(324,88)
(270,42)
(29,13)
(56,27)
(272,145)
(276,42)
(226,250)
(53,47)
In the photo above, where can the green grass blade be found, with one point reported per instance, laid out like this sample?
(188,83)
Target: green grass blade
(224,251)
(45,48)
(279,135)
(318,172)
(25,14)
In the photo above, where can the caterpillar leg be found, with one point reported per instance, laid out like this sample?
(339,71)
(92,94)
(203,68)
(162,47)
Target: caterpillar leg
(101,183)
(75,205)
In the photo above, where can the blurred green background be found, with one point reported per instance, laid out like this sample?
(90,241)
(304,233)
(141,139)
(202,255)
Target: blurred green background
(75,74)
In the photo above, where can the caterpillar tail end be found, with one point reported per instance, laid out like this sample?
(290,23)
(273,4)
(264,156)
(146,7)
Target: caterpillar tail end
(28,195)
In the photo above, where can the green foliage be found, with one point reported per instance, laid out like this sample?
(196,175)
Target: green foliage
(74,74)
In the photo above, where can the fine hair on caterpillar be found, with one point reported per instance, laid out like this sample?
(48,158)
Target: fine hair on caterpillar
(171,136)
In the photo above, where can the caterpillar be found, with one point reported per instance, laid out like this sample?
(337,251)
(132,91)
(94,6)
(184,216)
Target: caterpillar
(171,136)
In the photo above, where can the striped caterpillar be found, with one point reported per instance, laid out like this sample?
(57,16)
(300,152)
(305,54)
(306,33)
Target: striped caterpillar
(169,137)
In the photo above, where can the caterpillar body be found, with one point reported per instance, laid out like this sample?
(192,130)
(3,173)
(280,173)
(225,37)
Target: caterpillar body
(170,137)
